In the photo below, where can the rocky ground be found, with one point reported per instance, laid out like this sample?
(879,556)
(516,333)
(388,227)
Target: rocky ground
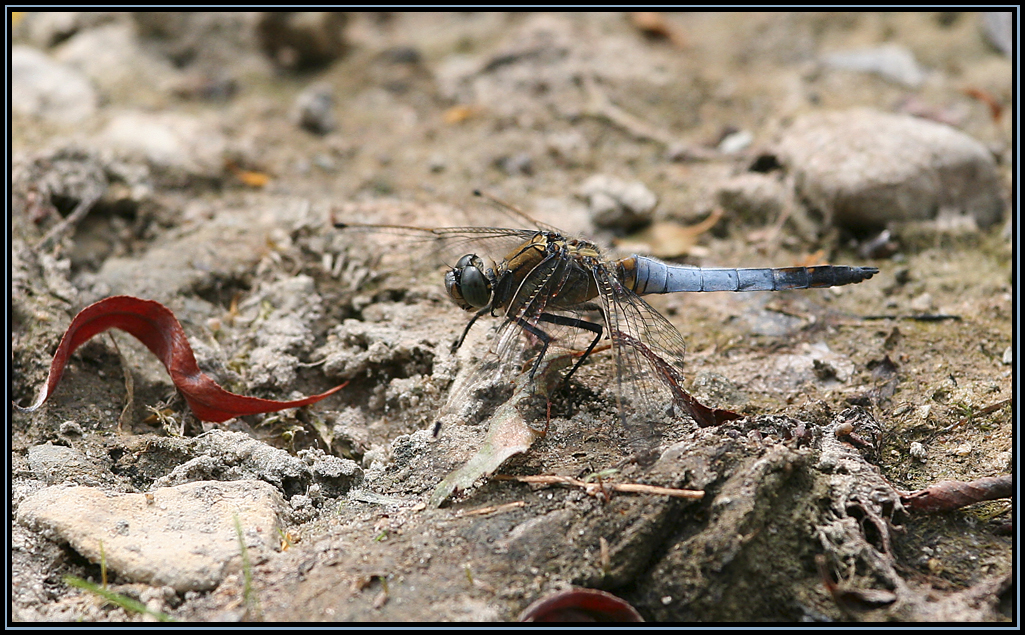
(199,160)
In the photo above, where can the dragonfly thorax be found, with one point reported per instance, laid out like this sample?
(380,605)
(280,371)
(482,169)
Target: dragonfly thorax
(469,283)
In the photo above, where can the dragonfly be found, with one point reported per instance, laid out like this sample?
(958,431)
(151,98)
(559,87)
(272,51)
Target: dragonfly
(556,293)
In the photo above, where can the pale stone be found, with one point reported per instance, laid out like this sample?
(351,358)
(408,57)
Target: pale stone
(183,537)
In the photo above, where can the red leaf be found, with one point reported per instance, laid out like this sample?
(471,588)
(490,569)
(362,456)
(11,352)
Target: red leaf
(580,605)
(154,325)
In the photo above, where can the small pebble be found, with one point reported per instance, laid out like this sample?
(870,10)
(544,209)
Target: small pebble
(736,142)
(889,61)
(516,164)
(437,163)
(45,88)
(614,203)
(998,26)
(843,428)
(922,304)
(73,429)
(313,109)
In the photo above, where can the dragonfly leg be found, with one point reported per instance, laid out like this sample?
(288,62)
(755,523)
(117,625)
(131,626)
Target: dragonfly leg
(562,320)
(466,331)
(545,338)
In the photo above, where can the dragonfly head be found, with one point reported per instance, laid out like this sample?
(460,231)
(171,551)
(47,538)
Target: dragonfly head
(468,283)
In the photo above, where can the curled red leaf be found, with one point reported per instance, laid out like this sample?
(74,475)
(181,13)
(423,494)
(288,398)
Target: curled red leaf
(580,605)
(154,325)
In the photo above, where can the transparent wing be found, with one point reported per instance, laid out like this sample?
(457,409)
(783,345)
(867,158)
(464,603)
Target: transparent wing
(441,246)
(439,234)
(649,354)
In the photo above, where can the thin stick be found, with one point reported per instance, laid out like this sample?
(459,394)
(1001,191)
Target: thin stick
(129,386)
(600,106)
(68,223)
(985,411)
(493,509)
(594,489)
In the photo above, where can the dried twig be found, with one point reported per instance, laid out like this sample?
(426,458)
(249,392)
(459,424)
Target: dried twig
(68,223)
(985,411)
(494,509)
(923,317)
(594,489)
(600,106)
(129,386)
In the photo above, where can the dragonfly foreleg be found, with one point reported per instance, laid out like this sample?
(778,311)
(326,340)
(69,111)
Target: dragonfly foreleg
(562,320)
(546,339)
(466,331)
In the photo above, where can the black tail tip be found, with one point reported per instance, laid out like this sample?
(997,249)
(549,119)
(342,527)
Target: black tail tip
(340,225)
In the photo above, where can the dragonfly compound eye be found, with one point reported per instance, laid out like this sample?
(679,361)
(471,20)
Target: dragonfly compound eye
(467,284)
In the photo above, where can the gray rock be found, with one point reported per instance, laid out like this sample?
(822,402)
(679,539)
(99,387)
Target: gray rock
(232,456)
(754,197)
(813,364)
(313,109)
(68,171)
(736,142)
(70,429)
(889,61)
(183,537)
(998,27)
(49,89)
(349,436)
(614,203)
(57,463)
(44,29)
(286,331)
(863,168)
(537,52)
(570,147)
(171,142)
(516,164)
(922,303)
(358,348)
(110,55)
(211,42)
(227,245)
(711,388)
(334,476)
